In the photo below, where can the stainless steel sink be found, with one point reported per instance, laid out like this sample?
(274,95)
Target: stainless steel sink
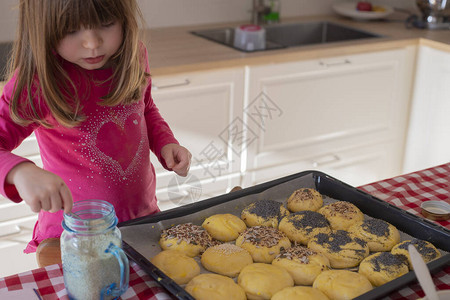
(292,35)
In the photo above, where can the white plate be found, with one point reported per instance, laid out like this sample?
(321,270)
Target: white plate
(348,9)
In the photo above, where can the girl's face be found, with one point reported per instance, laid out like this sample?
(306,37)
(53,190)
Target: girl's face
(91,48)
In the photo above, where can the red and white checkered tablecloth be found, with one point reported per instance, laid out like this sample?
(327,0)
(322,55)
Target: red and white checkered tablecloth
(410,190)
(406,191)
(49,282)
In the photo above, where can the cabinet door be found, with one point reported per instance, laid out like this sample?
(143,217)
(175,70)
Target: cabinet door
(428,141)
(17,222)
(298,111)
(202,110)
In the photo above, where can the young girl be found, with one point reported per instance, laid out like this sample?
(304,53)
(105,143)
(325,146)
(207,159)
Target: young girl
(80,81)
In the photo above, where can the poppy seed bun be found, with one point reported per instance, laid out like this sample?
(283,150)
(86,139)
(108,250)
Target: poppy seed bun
(427,250)
(341,248)
(379,234)
(382,267)
(301,226)
(264,213)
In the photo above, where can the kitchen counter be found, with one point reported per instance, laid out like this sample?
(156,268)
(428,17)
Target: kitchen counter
(175,50)
(406,192)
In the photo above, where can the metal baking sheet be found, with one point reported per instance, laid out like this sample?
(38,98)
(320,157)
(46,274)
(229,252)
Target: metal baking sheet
(141,236)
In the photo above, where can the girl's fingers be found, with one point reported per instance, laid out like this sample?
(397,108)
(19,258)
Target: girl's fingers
(56,202)
(66,198)
(35,206)
(46,204)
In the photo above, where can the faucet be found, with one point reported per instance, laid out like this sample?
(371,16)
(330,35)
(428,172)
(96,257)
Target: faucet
(259,10)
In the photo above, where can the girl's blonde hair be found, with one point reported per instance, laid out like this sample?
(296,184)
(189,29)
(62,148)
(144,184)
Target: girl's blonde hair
(42,25)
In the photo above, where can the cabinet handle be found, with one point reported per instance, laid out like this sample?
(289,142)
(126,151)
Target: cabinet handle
(335,64)
(325,160)
(10,230)
(185,82)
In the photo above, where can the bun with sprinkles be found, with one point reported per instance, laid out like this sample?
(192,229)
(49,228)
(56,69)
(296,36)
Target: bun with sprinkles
(188,238)
(226,259)
(302,263)
(305,199)
(301,226)
(379,234)
(263,243)
(341,214)
(427,250)
(383,267)
(341,248)
(264,213)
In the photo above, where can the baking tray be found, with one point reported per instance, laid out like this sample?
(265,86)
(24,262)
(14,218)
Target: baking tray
(141,236)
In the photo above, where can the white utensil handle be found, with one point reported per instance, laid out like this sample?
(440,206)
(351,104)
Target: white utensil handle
(422,273)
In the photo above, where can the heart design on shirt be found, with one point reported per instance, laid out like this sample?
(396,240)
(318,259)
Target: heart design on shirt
(117,139)
(120,142)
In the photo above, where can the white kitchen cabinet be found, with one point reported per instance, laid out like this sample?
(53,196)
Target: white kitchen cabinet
(428,142)
(202,109)
(346,116)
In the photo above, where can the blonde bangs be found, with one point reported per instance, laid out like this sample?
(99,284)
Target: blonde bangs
(74,14)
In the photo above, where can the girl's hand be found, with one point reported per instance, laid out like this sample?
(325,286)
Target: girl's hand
(177,158)
(40,189)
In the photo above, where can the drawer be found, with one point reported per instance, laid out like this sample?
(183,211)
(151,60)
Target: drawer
(353,165)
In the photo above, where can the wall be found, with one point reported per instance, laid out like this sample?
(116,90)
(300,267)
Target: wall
(164,13)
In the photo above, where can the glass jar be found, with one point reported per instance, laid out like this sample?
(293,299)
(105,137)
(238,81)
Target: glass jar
(94,265)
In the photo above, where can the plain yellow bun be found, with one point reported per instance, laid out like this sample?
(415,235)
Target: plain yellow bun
(188,238)
(341,214)
(305,199)
(341,248)
(383,267)
(301,226)
(214,286)
(263,243)
(224,227)
(342,284)
(177,265)
(303,264)
(299,293)
(264,213)
(262,281)
(427,250)
(226,259)
(379,234)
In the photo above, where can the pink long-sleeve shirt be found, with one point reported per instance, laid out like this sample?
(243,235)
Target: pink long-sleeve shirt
(106,157)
